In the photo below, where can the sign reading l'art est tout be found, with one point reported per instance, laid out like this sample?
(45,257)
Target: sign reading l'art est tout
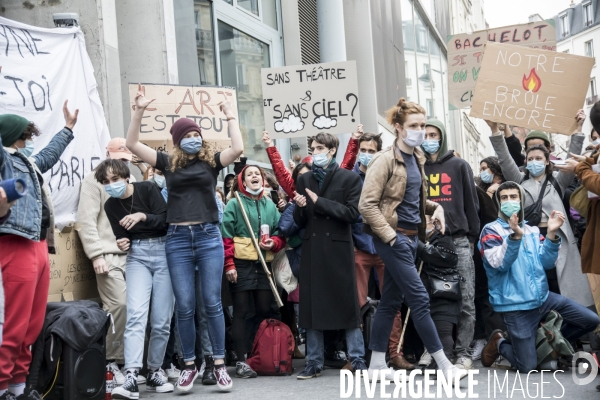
(199,103)
(535,89)
(465,52)
(302,100)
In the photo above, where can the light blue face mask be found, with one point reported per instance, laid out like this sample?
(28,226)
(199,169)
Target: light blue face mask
(486,177)
(365,158)
(320,160)
(159,180)
(191,145)
(431,146)
(596,142)
(510,207)
(116,189)
(255,192)
(536,168)
(27,151)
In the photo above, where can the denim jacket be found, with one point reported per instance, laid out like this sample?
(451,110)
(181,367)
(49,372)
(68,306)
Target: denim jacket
(26,215)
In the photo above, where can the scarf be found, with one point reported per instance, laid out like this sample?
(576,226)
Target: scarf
(320,173)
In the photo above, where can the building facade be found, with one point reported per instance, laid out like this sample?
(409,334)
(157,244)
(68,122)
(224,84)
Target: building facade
(397,45)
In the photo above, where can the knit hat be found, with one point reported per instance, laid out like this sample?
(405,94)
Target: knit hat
(11,128)
(181,127)
(538,135)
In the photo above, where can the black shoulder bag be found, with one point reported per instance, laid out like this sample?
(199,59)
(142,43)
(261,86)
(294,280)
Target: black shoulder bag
(533,213)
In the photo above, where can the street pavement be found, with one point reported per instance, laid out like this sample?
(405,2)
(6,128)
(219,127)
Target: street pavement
(327,386)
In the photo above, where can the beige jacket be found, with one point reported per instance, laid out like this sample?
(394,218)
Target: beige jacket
(94,229)
(383,190)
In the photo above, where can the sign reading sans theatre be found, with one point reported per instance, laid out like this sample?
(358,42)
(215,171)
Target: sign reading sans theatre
(303,100)
(532,88)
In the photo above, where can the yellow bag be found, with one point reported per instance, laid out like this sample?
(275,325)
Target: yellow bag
(579,201)
(243,249)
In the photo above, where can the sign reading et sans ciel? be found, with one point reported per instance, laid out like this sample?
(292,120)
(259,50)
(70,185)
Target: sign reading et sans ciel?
(532,88)
(302,100)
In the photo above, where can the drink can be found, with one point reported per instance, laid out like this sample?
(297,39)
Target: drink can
(264,233)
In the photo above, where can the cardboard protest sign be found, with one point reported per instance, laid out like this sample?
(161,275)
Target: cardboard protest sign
(302,100)
(199,103)
(465,52)
(531,88)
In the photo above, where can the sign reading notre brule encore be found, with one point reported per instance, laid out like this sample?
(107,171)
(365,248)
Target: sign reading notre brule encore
(172,102)
(465,52)
(531,88)
(303,100)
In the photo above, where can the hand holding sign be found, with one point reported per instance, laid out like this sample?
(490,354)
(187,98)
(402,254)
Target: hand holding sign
(359,132)
(580,118)
(227,109)
(267,140)
(141,102)
(70,119)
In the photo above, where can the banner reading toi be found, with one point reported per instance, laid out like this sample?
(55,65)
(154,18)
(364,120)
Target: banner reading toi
(302,100)
(532,88)
(465,52)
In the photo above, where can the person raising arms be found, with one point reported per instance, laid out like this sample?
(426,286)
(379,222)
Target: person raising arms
(194,245)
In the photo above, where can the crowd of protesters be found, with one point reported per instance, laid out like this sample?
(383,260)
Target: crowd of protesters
(459,267)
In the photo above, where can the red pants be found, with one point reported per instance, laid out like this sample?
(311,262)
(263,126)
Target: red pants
(363,264)
(26,276)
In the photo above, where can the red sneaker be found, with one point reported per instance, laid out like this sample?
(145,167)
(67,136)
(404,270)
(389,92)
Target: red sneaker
(224,382)
(186,379)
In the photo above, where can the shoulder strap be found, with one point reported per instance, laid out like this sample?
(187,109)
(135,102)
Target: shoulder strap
(556,185)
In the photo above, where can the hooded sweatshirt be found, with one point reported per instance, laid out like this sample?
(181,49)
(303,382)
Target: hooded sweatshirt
(451,184)
(515,268)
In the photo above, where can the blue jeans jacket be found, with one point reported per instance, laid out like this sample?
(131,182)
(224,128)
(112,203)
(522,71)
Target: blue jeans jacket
(26,215)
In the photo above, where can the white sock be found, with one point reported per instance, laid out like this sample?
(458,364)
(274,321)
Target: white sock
(17,388)
(442,361)
(377,360)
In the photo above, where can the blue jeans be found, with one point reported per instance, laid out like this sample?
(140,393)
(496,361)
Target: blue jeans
(316,349)
(522,327)
(195,255)
(401,278)
(147,278)
(203,342)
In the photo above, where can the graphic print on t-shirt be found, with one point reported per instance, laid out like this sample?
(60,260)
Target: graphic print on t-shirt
(440,187)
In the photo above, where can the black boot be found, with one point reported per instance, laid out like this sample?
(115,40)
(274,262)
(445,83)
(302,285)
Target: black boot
(209,378)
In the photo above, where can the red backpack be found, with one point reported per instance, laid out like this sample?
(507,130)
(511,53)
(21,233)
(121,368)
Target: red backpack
(272,349)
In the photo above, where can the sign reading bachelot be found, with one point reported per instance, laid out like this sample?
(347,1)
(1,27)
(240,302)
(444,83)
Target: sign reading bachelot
(302,100)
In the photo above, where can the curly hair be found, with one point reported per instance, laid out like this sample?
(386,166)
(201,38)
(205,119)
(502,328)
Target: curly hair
(30,130)
(399,113)
(179,158)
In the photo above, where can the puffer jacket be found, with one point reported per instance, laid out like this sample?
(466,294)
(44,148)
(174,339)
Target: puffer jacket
(516,268)
(383,190)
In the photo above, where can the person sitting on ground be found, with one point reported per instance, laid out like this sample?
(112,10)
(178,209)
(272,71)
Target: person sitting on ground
(515,256)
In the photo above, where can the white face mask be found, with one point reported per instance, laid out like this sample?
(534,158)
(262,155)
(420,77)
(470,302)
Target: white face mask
(255,192)
(414,138)
(159,180)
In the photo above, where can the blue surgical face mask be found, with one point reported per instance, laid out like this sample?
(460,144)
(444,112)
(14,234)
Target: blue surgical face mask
(116,189)
(536,168)
(320,160)
(255,192)
(431,146)
(159,180)
(596,142)
(510,207)
(27,151)
(365,158)
(191,145)
(486,177)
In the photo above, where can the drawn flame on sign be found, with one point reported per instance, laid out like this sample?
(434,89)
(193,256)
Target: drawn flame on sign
(532,83)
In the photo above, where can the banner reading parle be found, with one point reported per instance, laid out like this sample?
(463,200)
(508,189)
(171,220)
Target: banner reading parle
(302,100)
(531,88)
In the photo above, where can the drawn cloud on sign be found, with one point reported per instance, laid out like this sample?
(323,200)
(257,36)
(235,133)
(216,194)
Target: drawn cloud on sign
(290,124)
(324,122)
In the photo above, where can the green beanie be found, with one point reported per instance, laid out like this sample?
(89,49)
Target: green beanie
(538,135)
(11,128)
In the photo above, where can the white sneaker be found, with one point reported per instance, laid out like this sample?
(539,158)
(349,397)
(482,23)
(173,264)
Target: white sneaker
(119,377)
(456,372)
(464,362)
(477,349)
(425,359)
(172,373)
(141,379)
(389,372)
(158,382)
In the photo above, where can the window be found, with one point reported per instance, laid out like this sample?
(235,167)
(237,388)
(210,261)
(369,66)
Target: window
(564,25)
(430,109)
(589,48)
(593,92)
(587,14)
(249,5)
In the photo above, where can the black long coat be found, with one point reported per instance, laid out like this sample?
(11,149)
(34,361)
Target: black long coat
(328,296)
